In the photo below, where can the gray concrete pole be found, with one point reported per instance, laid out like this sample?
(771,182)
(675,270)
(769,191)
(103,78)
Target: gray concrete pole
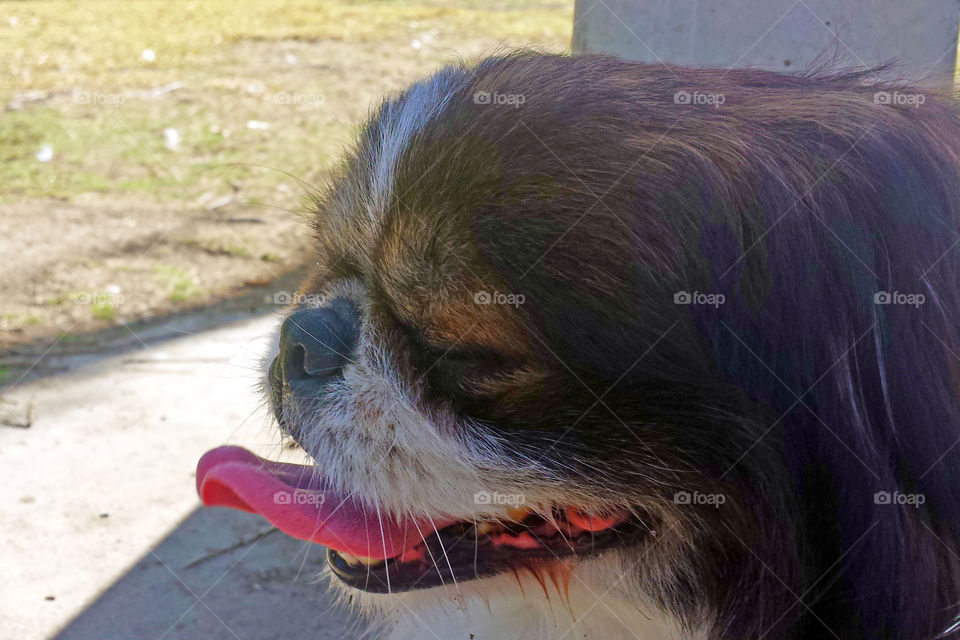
(780,35)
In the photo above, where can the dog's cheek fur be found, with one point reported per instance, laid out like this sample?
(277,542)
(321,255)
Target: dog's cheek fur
(372,435)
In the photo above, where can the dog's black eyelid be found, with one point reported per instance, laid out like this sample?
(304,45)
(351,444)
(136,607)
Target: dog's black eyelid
(455,352)
(413,335)
(420,342)
(465,353)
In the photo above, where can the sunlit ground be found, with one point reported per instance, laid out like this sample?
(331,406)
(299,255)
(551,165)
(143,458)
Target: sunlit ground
(151,152)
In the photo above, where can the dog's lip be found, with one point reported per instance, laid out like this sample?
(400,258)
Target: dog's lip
(297,500)
(466,551)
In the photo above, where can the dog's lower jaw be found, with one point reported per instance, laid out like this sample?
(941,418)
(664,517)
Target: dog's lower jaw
(587,604)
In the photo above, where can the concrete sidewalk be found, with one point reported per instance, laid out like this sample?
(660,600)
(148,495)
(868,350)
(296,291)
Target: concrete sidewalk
(102,537)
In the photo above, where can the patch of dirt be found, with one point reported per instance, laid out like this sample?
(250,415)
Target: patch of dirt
(100,261)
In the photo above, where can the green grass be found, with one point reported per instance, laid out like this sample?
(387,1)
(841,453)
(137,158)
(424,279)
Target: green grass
(104,311)
(237,251)
(22,319)
(65,43)
(107,136)
(179,282)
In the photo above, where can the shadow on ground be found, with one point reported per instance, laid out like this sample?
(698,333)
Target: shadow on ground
(219,574)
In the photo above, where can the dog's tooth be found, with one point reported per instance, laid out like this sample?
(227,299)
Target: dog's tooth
(485,527)
(355,561)
(518,514)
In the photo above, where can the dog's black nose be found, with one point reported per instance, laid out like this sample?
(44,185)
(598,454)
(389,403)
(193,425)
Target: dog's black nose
(316,344)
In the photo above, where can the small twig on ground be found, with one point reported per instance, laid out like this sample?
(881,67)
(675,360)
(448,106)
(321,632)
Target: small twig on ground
(242,543)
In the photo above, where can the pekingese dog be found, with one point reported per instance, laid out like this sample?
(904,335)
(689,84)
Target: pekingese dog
(604,349)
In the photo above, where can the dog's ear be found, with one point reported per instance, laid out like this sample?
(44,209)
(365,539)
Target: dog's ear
(864,386)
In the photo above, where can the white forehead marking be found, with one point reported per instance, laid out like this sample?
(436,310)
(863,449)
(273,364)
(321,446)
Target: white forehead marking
(401,120)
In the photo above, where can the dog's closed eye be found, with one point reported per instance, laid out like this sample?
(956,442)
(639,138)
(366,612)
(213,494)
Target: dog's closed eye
(455,371)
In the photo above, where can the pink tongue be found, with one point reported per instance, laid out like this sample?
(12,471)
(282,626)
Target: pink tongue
(295,500)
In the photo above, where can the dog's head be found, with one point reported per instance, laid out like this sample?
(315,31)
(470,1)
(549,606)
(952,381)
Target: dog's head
(553,331)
